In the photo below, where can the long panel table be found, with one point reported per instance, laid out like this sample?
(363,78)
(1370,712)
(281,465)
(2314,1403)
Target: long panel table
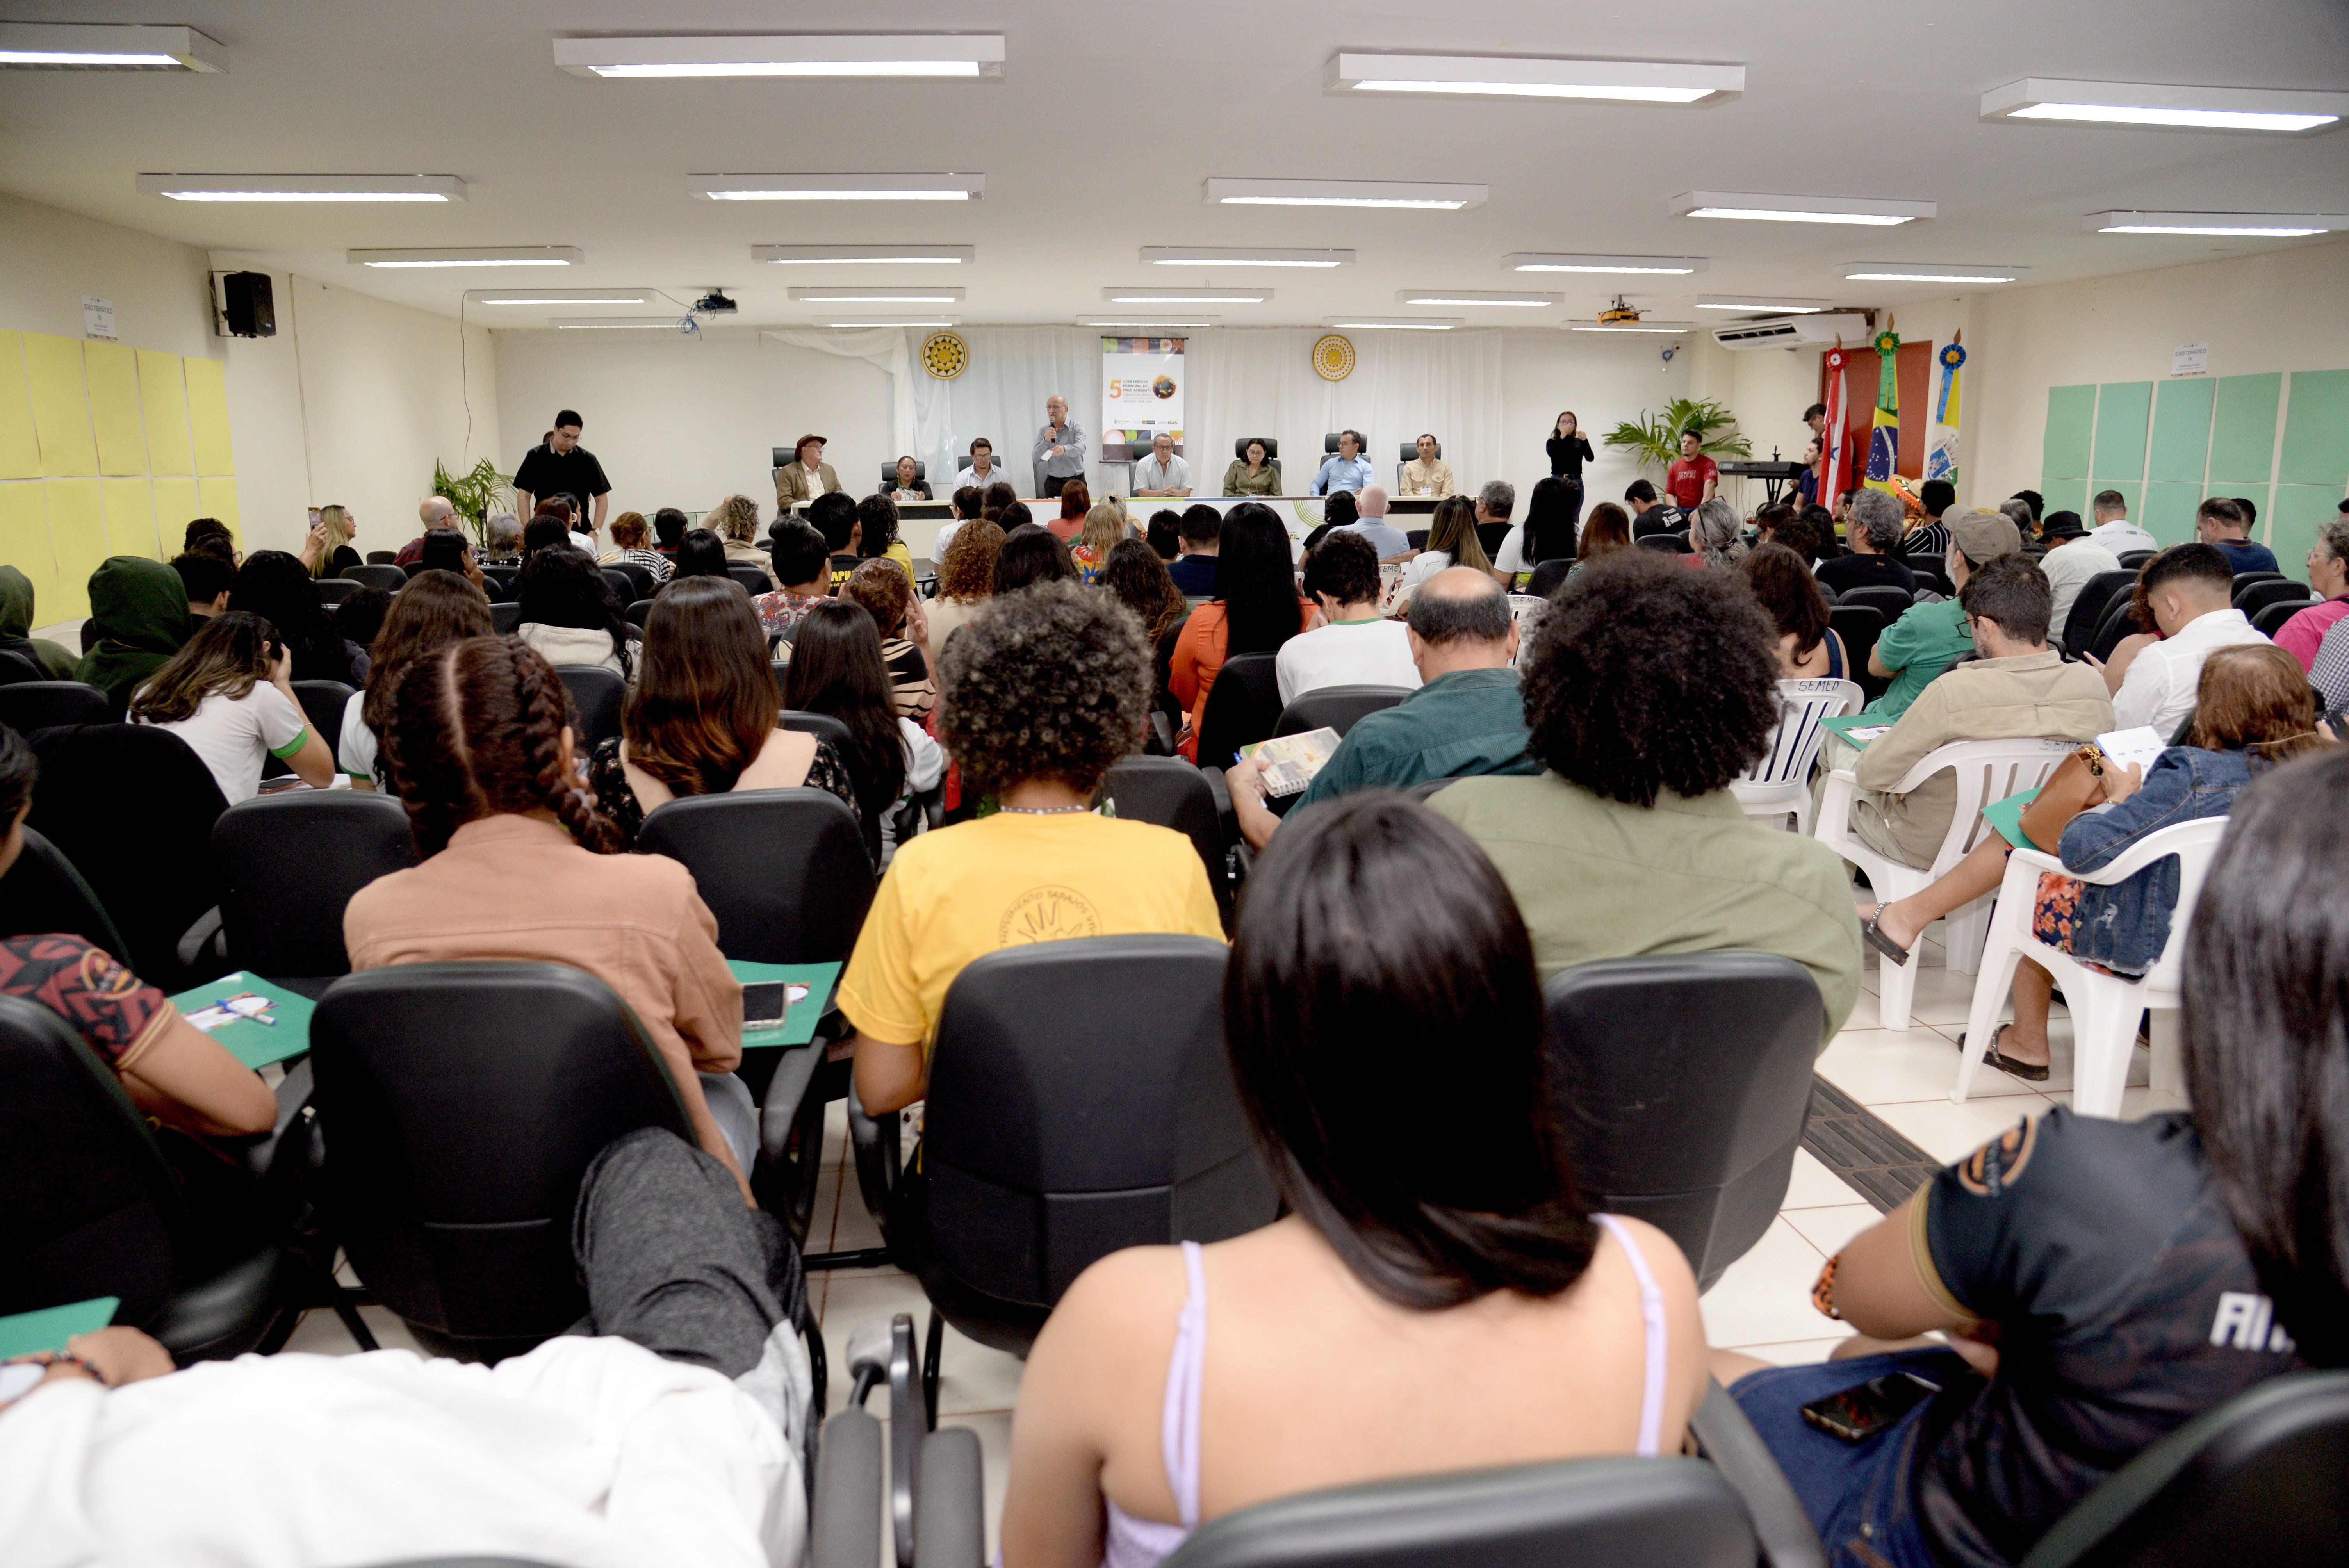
(918,522)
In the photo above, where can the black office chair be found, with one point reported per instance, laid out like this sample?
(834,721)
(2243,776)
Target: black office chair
(2119,621)
(823,725)
(1242,708)
(43,892)
(322,704)
(641,582)
(2270,620)
(622,586)
(1548,577)
(502,578)
(1338,708)
(1858,625)
(2269,1469)
(380,558)
(289,864)
(753,581)
(1416,537)
(1080,1101)
(598,694)
(1271,447)
(28,705)
(2251,598)
(641,611)
(888,485)
(2079,627)
(1171,793)
(2243,578)
(377,573)
(1933,573)
(1682,1084)
(505,615)
(1663,544)
(460,1104)
(333,590)
(2133,560)
(90,1206)
(1491,536)
(1885,599)
(17,666)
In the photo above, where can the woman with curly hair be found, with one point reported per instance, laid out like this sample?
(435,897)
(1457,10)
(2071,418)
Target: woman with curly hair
(1256,609)
(966,578)
(735,520)
(481,750)
(1649,688)
(1044,691)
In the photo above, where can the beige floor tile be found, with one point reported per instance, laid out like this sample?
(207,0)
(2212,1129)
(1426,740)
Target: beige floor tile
(1829,1228)
(1793,1351)
(1813,1185)
(321,1333)
(1766,1295)
(2137,1103)
(1948,1132)
(1885,1066)
(972,1377)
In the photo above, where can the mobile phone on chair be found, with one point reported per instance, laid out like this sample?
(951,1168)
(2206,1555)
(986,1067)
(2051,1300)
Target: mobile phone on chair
(1858,1414)
(764,1002)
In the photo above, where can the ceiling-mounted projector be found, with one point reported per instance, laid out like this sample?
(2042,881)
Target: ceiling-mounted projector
(1793,331)
(1617,312)
(715,303)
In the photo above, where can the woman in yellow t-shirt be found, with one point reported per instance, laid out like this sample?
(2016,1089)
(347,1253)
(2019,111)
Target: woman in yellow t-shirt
(1042,692)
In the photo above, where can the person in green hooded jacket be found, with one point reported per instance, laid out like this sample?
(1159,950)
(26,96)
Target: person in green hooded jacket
(56,663)
(138,619)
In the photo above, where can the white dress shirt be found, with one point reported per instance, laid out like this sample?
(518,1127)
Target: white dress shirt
(2068,567)
(2160,686)
(2121,534)
(1346,653)
(973,478)
(1174,474)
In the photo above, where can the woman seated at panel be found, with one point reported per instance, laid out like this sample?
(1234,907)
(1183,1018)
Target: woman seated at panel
(909,487)
(518,864)
(1808,648)
(570,614)
(436,609)
(2102,1283)
(1044,691)
(837,670)
(1252,472)
(1439,1298)
(229,695)
(701,718)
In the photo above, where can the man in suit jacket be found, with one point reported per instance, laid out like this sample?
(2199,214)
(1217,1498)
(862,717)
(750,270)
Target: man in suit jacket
(806,477)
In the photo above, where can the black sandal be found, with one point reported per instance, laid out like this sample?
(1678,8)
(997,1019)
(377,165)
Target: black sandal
(2029,1072)
(1873,934)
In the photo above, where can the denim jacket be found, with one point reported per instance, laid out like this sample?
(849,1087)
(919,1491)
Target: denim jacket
(2125,926)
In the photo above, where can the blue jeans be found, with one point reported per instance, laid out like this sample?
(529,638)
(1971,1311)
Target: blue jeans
(1858,1494)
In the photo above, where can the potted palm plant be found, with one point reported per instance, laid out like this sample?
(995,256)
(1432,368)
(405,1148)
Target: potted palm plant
(1653,440)
(474,494)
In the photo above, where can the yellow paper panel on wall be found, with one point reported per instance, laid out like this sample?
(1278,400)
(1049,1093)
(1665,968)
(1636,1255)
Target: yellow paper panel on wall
(20,446)
(114,410)
(25,545)
(176,505)
(78,536)
(60,407)
(217,497)
(130,517)
(163,393)
(208,416)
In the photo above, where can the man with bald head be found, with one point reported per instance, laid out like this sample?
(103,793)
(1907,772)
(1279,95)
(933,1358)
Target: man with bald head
(1466,718)
(436,512)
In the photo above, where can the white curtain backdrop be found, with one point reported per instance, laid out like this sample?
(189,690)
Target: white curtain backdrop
(1001,397)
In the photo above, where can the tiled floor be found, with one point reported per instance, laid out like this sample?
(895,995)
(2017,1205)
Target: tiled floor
(1761,1305)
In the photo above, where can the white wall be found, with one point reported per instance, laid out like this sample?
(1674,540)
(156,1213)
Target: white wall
(50,258)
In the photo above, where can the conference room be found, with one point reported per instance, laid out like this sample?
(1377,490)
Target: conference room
(1241,789)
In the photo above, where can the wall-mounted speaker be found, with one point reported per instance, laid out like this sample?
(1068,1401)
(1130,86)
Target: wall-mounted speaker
(248,306)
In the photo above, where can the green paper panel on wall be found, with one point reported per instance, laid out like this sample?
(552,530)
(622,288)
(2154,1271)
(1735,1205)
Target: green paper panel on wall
(163,394)
(2169,513)
(2122,411)
(78,536)
(208,416)
(217,496)
(114,410)
(176,505)
(2181,431)
(60,406)
(130,517)
(2244,431)
(20,444)
(2317,430)
(2065,495)
(2071,416)
(25,545)
(2292,521)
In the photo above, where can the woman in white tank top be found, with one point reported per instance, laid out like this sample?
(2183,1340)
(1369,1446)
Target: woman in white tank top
(1438,1299)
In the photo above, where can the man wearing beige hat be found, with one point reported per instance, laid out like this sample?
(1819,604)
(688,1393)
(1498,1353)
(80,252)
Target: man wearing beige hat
(1929,638)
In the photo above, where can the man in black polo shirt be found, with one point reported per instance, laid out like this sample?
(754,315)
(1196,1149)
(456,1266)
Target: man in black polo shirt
(1875,558)
(561,465)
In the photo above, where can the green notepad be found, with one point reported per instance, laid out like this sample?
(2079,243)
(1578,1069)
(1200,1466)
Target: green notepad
(1874,724)
(800,1020)
(249,1040)
(2006,816)
(49,1328)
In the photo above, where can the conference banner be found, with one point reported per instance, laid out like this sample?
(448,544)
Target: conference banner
(1142,391)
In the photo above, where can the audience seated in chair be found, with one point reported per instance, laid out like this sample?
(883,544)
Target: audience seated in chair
(274,586)
(17,618)
(881,586)
(1808,648)
(701,717)
(1439,1297)
(358,619)
(1716,535)
(2017,687)
(876,533)
(228,694)
(448,550)
(735,520)
(1649,689)
(137,620)
(436,609)
(569,615)
(518,864)
(632,546)
(1875,558)
(669,1429)
(1927,638)
(966,578)
(2187,593)
(701,553)
(1139,580)
(209,579)
(2103,1282)
(799,560)
(1031,554)
(1044,690)
(1354,645)
(1452,541)
(1197,535)
(211,536)
(1467,719)
(837,670)
(1604,531)
(437,512)
(1256,609)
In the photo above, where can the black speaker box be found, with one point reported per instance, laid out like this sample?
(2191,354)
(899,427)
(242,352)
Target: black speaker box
(252,308)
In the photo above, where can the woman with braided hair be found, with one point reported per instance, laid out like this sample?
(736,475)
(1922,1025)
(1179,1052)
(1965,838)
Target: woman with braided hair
(519,864)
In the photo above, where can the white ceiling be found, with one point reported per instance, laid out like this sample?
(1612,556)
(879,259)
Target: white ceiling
(1110,115)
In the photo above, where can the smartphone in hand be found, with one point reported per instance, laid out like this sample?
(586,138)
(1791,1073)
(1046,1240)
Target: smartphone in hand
(1858,1414)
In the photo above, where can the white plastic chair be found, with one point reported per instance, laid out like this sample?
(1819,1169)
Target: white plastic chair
(1526,610)
(1986,770)
(1780,783)
(2104,1007)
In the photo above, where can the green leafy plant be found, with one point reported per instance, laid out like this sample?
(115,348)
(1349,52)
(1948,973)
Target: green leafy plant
(475,494)
(1654,438)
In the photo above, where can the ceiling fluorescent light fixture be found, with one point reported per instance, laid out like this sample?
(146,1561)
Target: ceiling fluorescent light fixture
(839,187)
(877,296)
(617,324)
(2278,111)
(561,296)
(304,186)
(942,321)
(1151,294)
(1242,256)
(2229,225)
(865,255)
(1763,305)
(973,57)
(1554,261)
(473,256)
(1478,76)
(1931,272)
(1401,322)
(41,46)
(1345,193)
(1669,328)
(1148,321)
(1799,209)
(1477,297)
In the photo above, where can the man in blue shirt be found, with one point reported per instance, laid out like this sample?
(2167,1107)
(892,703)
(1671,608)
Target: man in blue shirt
(1348,471)
(2224,524)
(1059,450)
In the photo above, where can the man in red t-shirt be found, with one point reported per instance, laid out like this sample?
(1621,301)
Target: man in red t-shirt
(1693,478)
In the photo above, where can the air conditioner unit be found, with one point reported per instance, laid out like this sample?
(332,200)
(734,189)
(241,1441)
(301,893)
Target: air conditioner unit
(1793,331)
